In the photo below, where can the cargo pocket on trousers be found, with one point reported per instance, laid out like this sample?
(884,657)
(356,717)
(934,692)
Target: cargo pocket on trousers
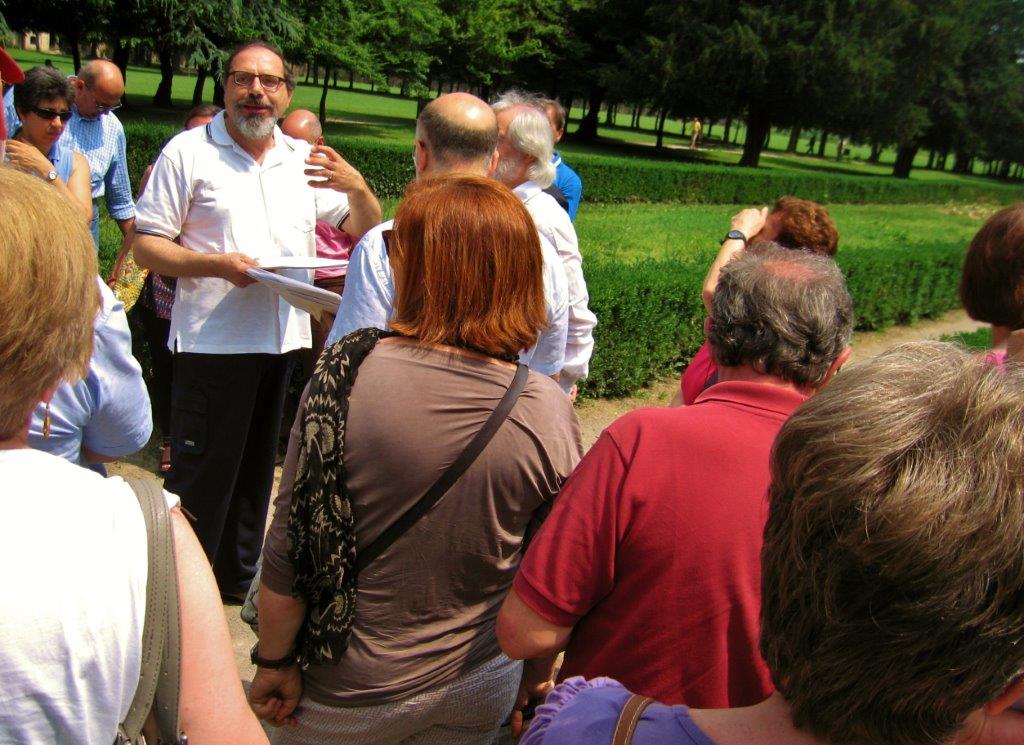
(189,411)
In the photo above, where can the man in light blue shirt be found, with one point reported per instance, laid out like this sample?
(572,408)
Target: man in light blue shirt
(99,86)
(455,133)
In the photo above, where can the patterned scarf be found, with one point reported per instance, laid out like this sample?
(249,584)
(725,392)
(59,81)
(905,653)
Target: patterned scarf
(321,528)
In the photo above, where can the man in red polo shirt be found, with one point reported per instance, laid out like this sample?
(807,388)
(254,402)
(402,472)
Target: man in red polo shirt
(648,569)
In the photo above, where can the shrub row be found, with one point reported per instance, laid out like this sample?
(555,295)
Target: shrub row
(388,168)
(651,319)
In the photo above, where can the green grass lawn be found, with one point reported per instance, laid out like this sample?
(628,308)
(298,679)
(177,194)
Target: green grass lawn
(976,341)
(627,233)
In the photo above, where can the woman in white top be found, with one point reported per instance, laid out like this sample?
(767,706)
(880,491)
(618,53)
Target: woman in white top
(73,544)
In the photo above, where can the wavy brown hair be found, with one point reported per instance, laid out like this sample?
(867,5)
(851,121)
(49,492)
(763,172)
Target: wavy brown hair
(893,560)
(805,225)
(467,266)
(48,295)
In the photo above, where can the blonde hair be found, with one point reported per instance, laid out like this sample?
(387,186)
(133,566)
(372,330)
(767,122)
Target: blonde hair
(48,295)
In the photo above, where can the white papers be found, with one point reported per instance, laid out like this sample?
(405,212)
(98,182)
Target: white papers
(302,295)
(300,262)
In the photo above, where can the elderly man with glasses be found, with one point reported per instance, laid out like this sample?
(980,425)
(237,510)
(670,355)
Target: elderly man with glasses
(98,86)
(220,197)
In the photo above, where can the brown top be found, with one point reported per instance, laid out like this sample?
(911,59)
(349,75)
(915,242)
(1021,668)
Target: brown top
(425,608)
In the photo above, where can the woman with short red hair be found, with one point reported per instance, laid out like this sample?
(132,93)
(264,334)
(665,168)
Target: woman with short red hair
(398,632)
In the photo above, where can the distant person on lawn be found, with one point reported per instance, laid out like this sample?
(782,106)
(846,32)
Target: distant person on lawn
(525,150)
(792,223)
(455,133)
(992,283)
(892,572)
(648,569)
(695,137)
(567,181)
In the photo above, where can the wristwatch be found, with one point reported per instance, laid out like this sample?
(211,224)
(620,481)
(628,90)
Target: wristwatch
(280,664)
(735,235)
(51,176)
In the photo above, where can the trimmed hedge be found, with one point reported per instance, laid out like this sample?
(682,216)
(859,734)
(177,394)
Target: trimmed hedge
(388,168)
(616,180)
(651,319)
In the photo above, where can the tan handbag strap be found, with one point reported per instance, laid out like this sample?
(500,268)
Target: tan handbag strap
(629,718)
(160,674)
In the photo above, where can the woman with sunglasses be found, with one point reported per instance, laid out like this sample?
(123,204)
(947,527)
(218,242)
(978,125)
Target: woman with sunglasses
(43,102)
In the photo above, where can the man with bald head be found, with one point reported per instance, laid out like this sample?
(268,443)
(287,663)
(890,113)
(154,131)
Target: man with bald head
(331,242)
(455,133)
(99,136)
(303,124)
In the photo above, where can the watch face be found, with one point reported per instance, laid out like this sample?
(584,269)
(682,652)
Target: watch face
(51,176)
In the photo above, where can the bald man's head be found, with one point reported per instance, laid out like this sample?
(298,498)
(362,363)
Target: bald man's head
(99,87)
(303,124)
(456,132)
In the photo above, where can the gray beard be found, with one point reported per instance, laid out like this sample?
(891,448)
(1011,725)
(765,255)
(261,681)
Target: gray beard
(254,128)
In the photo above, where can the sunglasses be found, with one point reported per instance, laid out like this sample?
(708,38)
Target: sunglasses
(244,79)
(49,114)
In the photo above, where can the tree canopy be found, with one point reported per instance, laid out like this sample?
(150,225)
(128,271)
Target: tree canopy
(945,75)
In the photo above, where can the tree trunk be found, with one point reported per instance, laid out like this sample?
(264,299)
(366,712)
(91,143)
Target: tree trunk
(758,127)
(794,139)
(309,66)
(821,144)
(162,97)
(767,139)
(662,115)
(197,92)
(351,79)
(586,131)
(120,58)
(876,152)
(931,160)
(904,161)
(1004,170)
(334,78)
(76,53)
(960,159)
(609,115)
(711,126)
(323,98)
(840,148)
(218,83)
(728,126)
(316,74)
(634,123)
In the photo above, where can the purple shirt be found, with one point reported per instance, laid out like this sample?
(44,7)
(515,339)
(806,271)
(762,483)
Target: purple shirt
(582,712)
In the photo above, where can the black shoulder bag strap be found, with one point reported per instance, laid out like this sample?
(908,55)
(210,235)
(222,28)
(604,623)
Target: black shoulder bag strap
(365,556)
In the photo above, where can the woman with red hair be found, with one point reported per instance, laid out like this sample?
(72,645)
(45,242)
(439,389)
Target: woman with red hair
(397,633)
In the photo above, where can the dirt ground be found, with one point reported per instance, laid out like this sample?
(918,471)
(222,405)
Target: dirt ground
(594,417)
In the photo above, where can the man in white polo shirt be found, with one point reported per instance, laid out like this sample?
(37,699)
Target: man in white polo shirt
(219,198)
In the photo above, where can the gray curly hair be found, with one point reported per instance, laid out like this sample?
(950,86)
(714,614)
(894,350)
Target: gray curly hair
(785,313)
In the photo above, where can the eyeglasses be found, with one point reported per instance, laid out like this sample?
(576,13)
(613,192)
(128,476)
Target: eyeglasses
(244,79)
(102,108)
(49,114)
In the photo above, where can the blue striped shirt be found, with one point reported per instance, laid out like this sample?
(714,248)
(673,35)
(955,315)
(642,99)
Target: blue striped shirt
(102,142)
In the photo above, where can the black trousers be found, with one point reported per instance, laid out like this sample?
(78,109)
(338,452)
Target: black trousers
(225,419)
(156,330)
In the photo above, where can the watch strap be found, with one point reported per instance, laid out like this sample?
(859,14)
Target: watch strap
(279,664)
(735,235)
